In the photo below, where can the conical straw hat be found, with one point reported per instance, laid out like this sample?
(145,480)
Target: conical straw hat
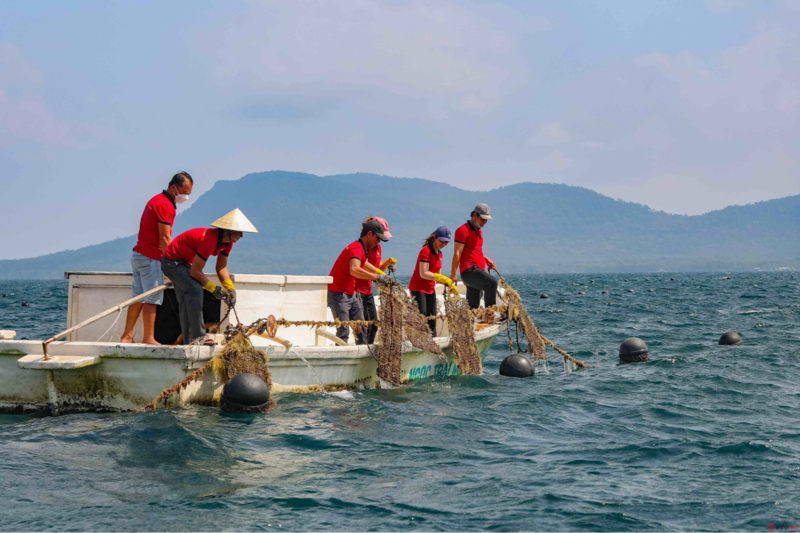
(236,221)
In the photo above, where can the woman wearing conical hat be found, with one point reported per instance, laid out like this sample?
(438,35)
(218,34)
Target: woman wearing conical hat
(183,263)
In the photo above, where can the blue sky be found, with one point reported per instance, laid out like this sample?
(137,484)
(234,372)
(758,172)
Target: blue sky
(686,106)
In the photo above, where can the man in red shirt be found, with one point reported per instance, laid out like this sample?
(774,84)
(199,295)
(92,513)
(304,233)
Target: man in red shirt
(351,265)
(364,286)
(469,258)
(155,234)
(183,263)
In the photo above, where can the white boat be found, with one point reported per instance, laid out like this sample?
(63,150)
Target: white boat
(92,371)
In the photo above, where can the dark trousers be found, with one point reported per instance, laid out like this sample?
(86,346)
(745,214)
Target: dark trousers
(370,313)
(346,307)
(426,303)
(190,298)
(479,281)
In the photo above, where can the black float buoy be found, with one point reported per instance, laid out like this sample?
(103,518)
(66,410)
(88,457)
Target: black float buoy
(633,350)
(25,304)
(604,292)
(647,279)
(626,280)
(245,393)
(631,290)
(650,290)
(5,296)
(543,297)
(516,366)
(591,281)
(672,279)
(730,339)
(581,292)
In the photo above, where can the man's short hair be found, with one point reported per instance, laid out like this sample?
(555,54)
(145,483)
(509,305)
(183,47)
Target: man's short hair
(179,179)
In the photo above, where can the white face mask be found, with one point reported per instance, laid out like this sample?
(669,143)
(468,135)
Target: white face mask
(181,198)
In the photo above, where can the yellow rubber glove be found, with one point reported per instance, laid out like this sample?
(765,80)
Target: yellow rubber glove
(444,280)
(210,287)
(380,272)
(392,261)
(228,284)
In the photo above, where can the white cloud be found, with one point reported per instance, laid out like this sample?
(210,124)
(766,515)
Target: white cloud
(418,52)
(550,134)
(555,161)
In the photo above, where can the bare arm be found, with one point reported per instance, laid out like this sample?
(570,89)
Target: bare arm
(357,271)
(369,267)
(457,249)
(164,236)
(491,264)
(197,270)
(222,268)
(425,271)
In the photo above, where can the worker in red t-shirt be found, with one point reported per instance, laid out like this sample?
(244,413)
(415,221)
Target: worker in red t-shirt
(364,286)
(183,263)
(351,265)
(155,234)
(427,273)
(469,258)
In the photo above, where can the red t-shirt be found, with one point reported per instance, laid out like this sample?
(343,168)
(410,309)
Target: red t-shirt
(204,242)
(342,280)
(364,286)
(434,260)
(159,210)
(472,255)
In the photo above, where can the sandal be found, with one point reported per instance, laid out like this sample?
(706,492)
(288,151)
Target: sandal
(205,341)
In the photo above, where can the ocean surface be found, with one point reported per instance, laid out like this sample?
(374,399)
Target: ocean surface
(701,437)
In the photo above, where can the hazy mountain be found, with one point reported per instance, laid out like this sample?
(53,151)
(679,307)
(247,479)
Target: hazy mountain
(304,221)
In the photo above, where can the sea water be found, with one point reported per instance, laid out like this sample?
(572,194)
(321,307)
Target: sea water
(702,437)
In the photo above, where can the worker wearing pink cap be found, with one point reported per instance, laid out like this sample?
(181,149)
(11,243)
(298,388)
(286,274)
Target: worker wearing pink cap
(364,286)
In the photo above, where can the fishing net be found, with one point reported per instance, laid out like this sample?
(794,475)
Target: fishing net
(536,341)
(459,322)
(390,334)
(237,357)
(517,313)
(416,329)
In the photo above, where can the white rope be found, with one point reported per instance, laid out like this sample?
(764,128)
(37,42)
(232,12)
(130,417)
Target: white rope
(111,326)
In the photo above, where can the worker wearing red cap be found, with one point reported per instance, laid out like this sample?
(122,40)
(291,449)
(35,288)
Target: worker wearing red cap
(364,286)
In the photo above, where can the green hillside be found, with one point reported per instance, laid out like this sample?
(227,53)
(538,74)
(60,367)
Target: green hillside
(304,221)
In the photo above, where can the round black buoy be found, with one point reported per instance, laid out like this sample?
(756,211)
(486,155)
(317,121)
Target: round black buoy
(25,304)
(516,366)
(633,350)
(5,296)
(591,281)
(581,292)
(730,339)
(543,297)
(650,290)
(245,393)
(672,279)
(626,280)
(604,292)
(631,290)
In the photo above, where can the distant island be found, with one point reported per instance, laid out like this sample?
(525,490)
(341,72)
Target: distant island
(304,221)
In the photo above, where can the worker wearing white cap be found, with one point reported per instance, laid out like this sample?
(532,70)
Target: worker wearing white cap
(468,257)
(183,263)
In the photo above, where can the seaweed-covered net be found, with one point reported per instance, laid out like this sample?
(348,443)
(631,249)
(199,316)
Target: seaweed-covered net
(390,334)
(237,357)
(400,320)
(462,335)
(536,341)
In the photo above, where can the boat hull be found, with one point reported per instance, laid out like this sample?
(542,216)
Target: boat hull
(127,376)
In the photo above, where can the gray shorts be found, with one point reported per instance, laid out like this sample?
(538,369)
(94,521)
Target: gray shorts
(147,276)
